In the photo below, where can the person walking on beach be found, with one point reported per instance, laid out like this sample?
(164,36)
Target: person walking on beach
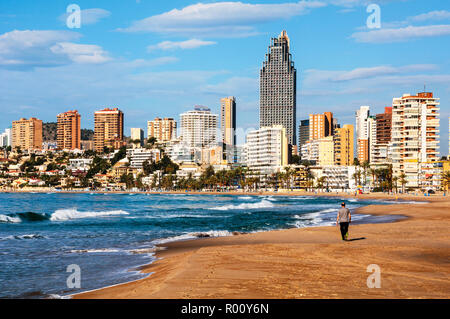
(344,218)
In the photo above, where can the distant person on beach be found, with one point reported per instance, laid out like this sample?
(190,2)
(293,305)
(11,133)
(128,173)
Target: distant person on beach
(344,218)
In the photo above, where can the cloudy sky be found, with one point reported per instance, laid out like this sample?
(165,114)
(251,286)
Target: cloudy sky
(154,58)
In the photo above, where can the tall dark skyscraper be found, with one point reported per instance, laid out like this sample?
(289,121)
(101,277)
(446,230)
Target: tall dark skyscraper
(303,133)
(278,88)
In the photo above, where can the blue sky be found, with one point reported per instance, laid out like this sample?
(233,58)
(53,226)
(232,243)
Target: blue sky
(153,58)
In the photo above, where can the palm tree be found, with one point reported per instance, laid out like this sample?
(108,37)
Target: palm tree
(403,181)
(321,182)
(394,182)
(365,166)
(446,180)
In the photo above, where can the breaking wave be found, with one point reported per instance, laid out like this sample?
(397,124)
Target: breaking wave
(69,214)
(262,204)
(187,236)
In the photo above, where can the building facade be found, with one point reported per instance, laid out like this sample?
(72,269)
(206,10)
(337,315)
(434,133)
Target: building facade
(6,138)
(362,133)
(199,127)
(27,134)
(267,149)
(381,152)
(344,145)
(278,88)
(108,130)
(320,125)
(163,130)
(303,133)
(415,136)
(69,130)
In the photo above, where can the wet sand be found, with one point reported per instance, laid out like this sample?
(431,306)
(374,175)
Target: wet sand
(412,253)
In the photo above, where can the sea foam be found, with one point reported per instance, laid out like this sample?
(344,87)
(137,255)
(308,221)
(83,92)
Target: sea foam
(262,204)
(68,214)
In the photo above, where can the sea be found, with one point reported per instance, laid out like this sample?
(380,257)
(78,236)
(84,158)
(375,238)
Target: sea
(110,236)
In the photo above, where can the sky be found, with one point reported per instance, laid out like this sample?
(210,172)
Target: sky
(160,58)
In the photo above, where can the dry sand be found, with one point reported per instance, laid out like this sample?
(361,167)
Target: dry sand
(413,255)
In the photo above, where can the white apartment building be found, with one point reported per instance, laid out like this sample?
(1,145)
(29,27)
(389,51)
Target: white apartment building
(339,178)
(80,164)
(137,134)
(372,136)
(6,138)
(138,156)
(415,137)
(267,149)
(199,127)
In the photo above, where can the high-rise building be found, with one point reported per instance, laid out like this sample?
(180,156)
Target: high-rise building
(415,138)
(199,127)
(362,133)
(303,133)
(164,130)
(267,149)
(278,85)
(228,120)
(6,138)
(326,151)
(320,125)
(372,136)
(108,130)
(344,145)
(380,154)
(69,130)
(137,134)
(27,134)
(228,126)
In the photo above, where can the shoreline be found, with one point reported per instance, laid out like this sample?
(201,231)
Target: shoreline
(174,259)
(383,196)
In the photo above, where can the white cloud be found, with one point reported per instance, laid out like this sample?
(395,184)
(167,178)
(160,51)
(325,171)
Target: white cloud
(42,48)
(433,15)
(401,34)
(224,18)
(89,16)
(81,53)
(173,45)
(315,78)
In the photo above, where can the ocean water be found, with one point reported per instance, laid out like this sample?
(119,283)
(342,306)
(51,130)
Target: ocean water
(110,235)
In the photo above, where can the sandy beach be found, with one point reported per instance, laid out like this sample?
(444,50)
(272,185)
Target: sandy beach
(413,255)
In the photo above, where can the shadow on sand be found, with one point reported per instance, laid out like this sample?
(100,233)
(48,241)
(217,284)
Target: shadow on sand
(353,239)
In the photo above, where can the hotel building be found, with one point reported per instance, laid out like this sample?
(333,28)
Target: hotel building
(69,130)
(267,149)
(164,130)
(199,127)
(27,134)
(108,129)
(278,85)
(415,138)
